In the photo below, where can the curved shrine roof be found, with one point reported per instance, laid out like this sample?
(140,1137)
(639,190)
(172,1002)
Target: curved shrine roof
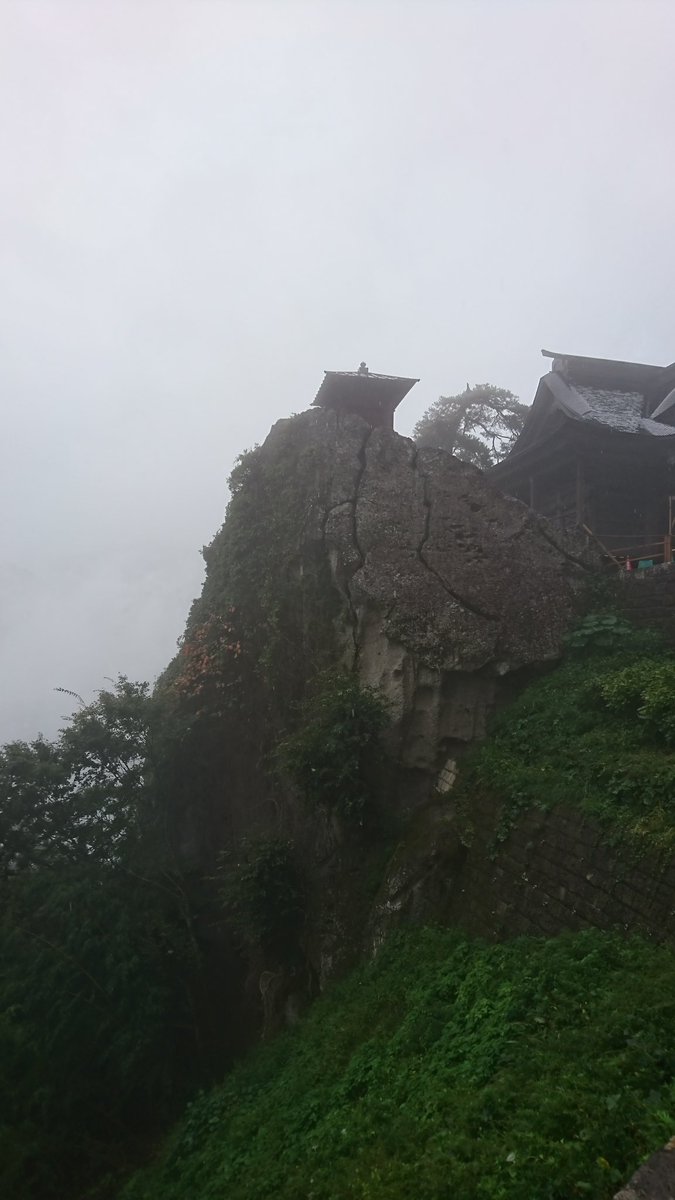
(619,397)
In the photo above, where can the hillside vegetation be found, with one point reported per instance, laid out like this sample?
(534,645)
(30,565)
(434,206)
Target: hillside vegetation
(537,1070)
(173,850)
(597,733)
(534,1069)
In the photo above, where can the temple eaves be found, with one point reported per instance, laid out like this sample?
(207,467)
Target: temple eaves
(371,396)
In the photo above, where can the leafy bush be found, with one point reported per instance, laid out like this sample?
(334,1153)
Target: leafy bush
(605,631)
(334,755)
(447,1069)
(263,888)
(644,691)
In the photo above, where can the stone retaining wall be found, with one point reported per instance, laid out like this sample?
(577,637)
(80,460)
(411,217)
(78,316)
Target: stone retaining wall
(555,872)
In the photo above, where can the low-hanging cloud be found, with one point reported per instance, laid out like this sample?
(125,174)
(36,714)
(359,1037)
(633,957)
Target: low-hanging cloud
(205,204)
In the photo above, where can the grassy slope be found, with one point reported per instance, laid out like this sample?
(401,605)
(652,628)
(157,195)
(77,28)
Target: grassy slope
(536,1070)
(598,734)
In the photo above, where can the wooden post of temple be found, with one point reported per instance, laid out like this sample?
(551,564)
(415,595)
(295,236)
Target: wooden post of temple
(580,493)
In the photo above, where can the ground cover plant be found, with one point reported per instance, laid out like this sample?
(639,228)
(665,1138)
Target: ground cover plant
(535,1070)
(597,733)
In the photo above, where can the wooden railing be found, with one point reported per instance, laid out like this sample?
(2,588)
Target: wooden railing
(630,551)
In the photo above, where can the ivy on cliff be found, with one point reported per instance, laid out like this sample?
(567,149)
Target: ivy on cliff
(269,562)
(209,673)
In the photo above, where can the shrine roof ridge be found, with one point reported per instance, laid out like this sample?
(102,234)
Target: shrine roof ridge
(600,362)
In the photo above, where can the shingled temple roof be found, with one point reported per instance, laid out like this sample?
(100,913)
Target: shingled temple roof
(339,385)
(374,397)
(616,394)
(619,397)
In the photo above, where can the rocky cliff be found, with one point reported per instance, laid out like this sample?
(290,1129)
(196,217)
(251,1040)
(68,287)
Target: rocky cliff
(346,541)
(347,545)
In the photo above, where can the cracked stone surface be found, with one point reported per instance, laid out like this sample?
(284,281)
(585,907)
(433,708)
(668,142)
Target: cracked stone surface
(447,585)
(654,1180)
(420,875)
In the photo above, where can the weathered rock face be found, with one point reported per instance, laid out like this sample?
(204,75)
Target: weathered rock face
(441,587)
(447,586)
(421,876)
(346,543)
(654,1180)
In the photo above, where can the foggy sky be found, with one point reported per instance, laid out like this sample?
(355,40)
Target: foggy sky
(206,203)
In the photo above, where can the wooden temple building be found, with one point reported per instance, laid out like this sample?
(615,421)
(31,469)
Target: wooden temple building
(597,452)
(373,397)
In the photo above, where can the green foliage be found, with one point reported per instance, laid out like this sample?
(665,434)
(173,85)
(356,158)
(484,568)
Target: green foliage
(39,822)
(86,795)
(243,470)
(480,425)
(608,631)
(644,692)
(94,1020)
(263,887)
(335,753)
(266,565)
(447,1069)
(98,962)
(597,733)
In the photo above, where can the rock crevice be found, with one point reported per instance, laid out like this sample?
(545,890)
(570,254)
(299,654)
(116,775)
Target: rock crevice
(448,585)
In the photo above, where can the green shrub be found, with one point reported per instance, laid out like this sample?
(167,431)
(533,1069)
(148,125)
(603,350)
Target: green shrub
(644,691)
(263,888)
(608,631)
(335,754)
(605,630)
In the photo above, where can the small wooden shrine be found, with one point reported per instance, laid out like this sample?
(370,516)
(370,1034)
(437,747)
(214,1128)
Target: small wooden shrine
(597,452)
(373,397)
